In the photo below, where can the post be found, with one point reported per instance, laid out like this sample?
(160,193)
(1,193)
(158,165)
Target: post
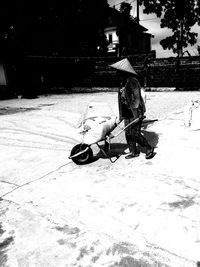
(180,45)
(180,6)
(138,11)
(181,37)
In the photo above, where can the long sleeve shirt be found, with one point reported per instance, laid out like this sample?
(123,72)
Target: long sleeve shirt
(131,103)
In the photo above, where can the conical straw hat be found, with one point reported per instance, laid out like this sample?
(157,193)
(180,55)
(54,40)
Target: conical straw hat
(123,65)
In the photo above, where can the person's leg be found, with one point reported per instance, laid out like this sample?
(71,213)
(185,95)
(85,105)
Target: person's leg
(141,140)
(130,138)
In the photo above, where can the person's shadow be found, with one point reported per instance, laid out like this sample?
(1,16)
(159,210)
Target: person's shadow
(150,136)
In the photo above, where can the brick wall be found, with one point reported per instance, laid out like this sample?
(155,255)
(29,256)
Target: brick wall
(104,76)
(171,72)
(166,72)
(40,74)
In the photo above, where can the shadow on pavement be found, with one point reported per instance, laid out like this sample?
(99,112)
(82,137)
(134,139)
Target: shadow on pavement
(10,110)
(3,247)
(151,137)
(116,150)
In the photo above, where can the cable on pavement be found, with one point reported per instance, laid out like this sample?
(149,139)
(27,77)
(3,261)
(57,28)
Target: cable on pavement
(40,178)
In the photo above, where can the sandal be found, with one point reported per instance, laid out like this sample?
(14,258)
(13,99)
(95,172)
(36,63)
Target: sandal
(150,154)
(132,155)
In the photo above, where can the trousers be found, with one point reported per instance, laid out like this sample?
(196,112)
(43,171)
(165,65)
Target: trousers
(133,135)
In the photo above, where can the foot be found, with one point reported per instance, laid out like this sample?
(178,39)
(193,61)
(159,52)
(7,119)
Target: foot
(132,155)
(150,153)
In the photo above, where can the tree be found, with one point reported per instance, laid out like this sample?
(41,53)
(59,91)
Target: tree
(179,16)
(48,27)
(91,23)
(125,9)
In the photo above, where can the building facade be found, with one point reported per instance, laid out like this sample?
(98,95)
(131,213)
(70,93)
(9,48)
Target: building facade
(125,35)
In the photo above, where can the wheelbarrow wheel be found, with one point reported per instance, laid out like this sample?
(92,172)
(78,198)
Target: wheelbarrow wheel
(84,158)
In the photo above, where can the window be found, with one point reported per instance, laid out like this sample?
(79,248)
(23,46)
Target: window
(110,39)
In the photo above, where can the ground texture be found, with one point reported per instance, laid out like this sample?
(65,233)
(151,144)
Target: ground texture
(128,213)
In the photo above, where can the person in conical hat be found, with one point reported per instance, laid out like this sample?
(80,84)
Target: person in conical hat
(131,107)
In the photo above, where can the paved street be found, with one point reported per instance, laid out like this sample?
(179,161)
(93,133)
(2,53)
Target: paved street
(134,212)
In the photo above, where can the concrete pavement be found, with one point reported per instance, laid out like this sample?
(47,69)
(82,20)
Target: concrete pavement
(134,212)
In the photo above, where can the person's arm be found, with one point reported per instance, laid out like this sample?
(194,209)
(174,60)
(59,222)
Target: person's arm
(132,90)
(120,104)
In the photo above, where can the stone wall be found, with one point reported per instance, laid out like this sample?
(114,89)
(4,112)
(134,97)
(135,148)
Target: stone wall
(166,72)
(171,72)
(104,76)
(41,74)
(183,73)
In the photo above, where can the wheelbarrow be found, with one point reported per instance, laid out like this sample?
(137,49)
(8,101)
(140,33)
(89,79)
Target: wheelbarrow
(82,153)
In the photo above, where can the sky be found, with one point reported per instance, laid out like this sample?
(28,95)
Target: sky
(152,23)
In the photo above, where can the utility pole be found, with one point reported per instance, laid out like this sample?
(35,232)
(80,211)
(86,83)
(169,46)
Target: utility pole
(138,11)
(180,13)
(180,52)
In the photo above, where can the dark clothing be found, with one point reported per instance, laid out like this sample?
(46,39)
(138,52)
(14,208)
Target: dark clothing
(131,103)
(131,107)
(133,135)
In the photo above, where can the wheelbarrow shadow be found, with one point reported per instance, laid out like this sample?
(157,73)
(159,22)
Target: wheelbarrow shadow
(116,150)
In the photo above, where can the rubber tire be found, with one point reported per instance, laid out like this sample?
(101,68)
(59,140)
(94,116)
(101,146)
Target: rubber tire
(85,157)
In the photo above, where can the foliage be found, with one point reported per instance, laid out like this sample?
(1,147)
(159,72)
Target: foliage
(125,8)
(48,27)
(177,15)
